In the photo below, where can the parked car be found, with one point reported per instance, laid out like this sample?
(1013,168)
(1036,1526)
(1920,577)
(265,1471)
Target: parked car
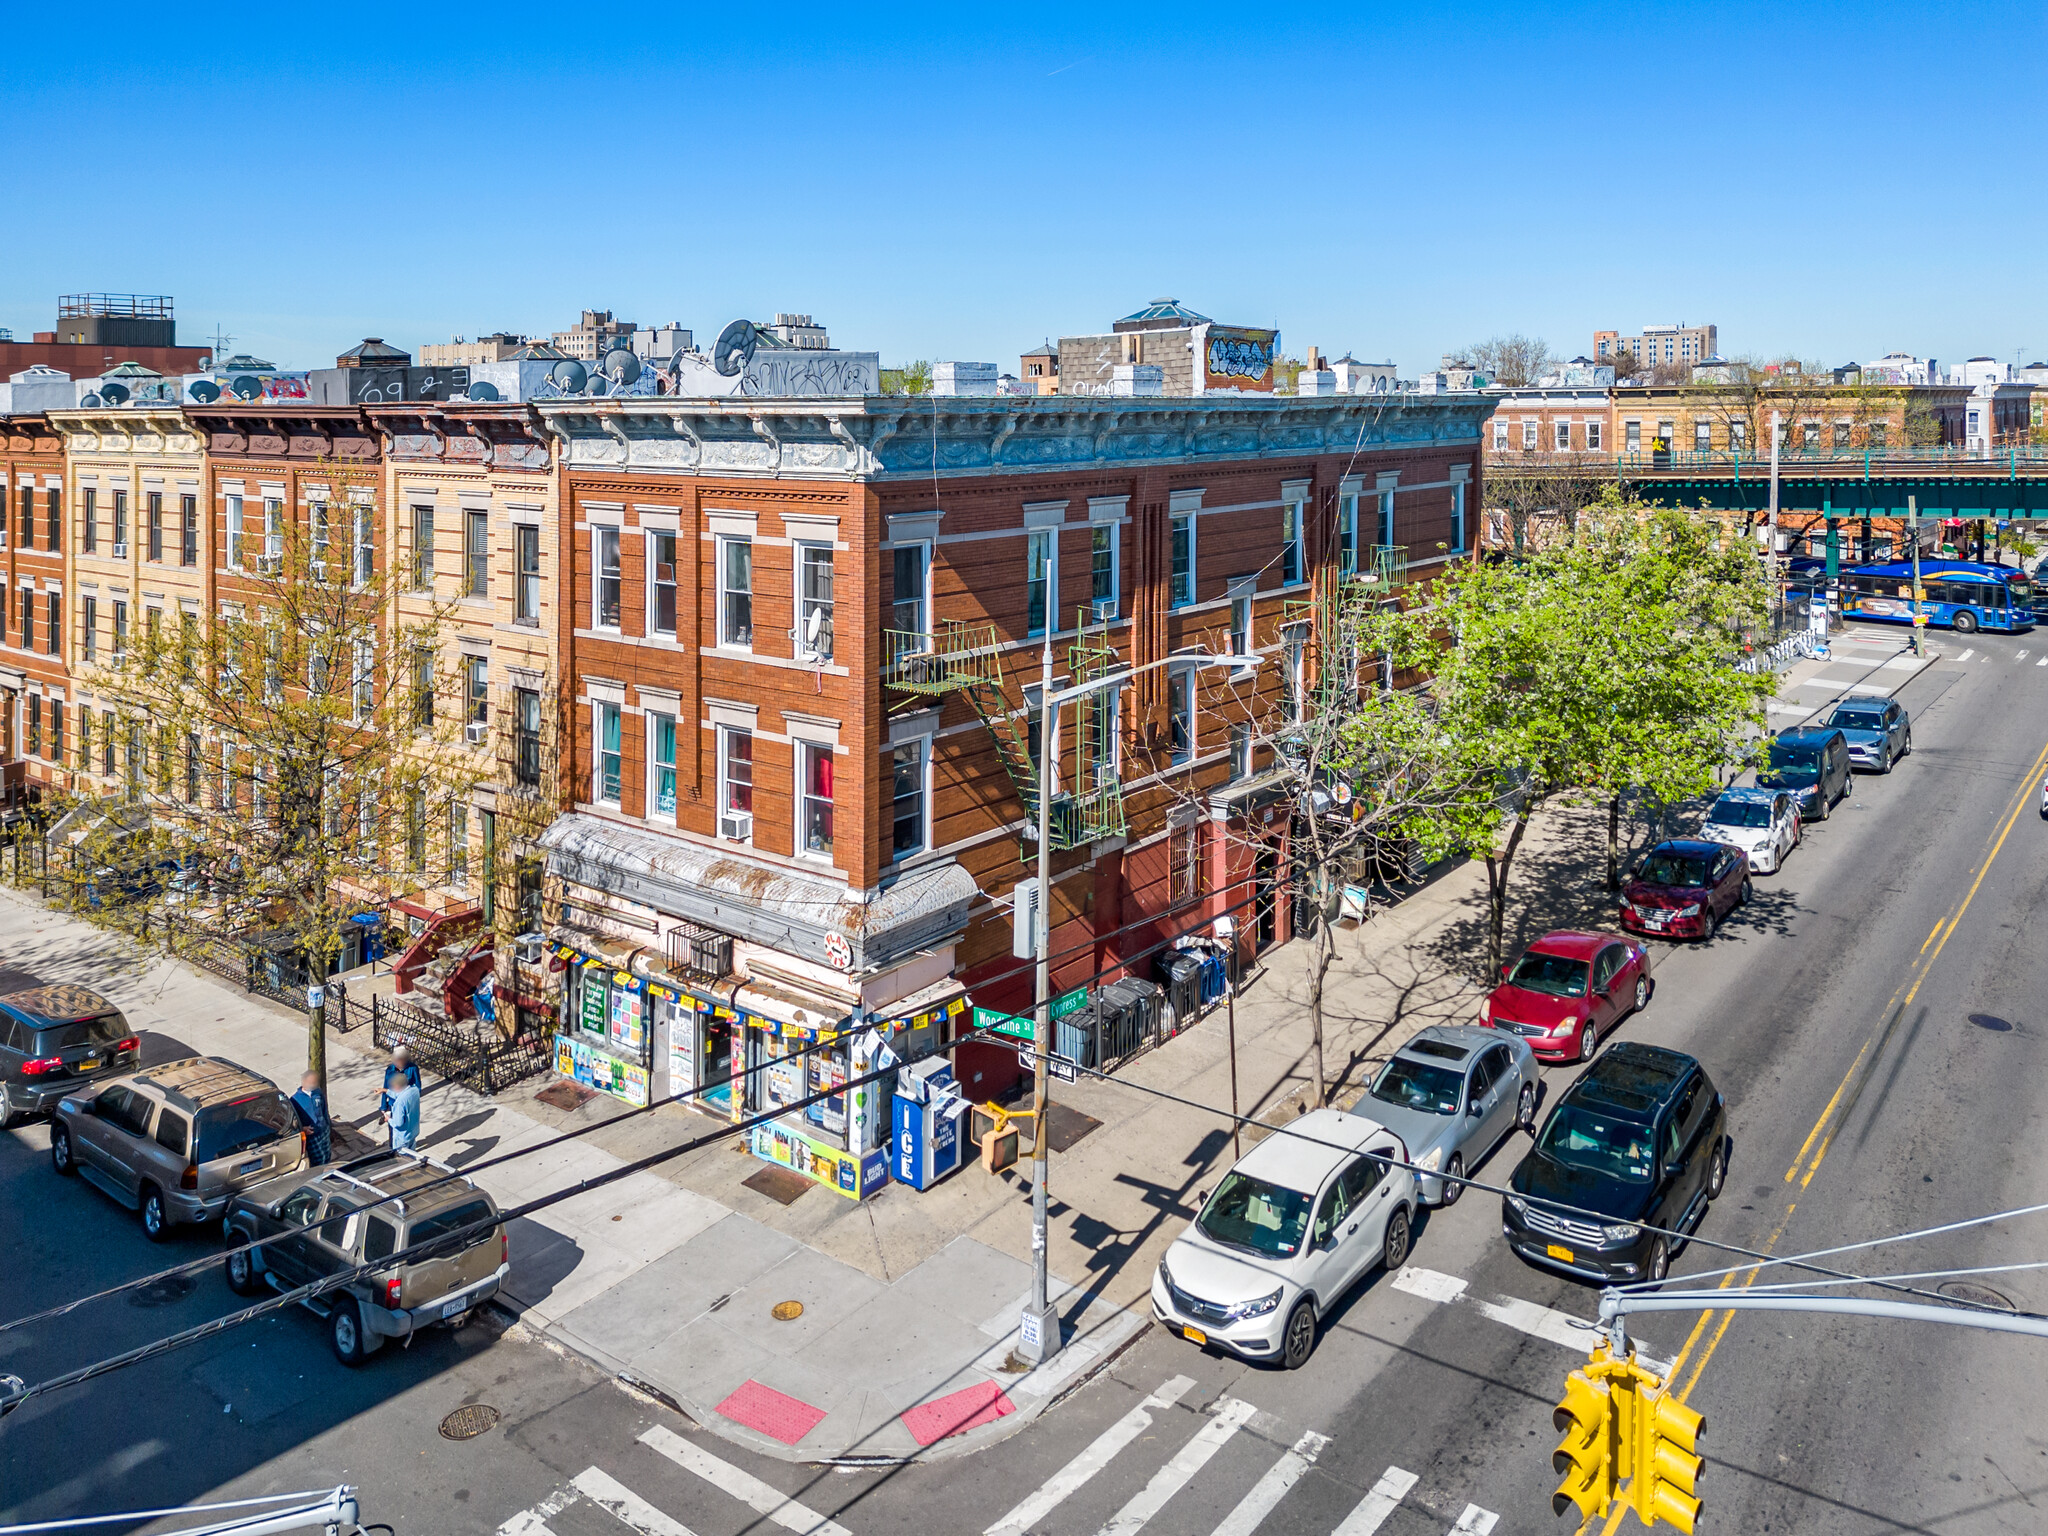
(1567,990)
(1289,1230)
(1639,1142)
(51,1038)
(336,1218)
(1683,888)
(1878,730)
(1451,1094)
(174,1143)
(1812,762)
(1763,823)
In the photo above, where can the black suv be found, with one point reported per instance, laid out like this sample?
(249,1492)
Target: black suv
(1640,1141)
(1812,762)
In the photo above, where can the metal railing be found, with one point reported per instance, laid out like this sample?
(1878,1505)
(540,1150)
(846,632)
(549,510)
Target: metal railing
(953,655)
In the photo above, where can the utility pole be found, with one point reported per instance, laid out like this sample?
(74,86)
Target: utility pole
(1777,587)
(1038,1333)
(1919,611)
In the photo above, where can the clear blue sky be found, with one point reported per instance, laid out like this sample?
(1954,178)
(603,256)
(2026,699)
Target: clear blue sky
(962,181)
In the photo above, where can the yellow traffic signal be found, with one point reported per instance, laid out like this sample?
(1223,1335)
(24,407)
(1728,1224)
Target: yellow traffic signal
(1667,1470)
(1588,1453)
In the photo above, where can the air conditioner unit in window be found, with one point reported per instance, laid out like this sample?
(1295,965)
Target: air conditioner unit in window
(526,948)
(736,826)
(475,732)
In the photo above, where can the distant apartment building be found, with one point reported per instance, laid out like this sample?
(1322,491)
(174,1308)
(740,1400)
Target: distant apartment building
(597,333)
(34,681)
(99,331)
(1817,416)
(1568,411)
(1659,346)
(1902,368)
(1040,369)
(495,348)
(1168,349)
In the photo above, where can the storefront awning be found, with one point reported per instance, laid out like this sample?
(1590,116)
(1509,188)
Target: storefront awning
(1251,794)
(779,908)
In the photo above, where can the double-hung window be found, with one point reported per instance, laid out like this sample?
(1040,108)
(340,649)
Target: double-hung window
(1183,561)
(1632,436)
(84,739)
(423,549)
(814,601)
(1290,543)
(272,563)
(1180,713)
(476,688)
(661,765)
(1240,751)
(27,607)
(323,538)
(34,707)
(363,542)
(476,554)
(1458,518)
(910,572)
(1347,533)
(735,784)
(120,631)
(120,525)
(188,530)
(526,737)
(1103,575)
(236,531)
(1529,434)
(661,577)
(364,684)
(53,631)
(1592,437)
(458,843)
(155,503)
(1500,437)
(526,555)
(909,779)
(1563,429)
(1241,627)
(88,629)
(736,593)
(814,799)
(53,517)
(1703,437)
(191,760)
(604,569)
(89,516)
(609,763)
(1041,566)
(28,517)
(422,688)
(56,752)
(1386,515)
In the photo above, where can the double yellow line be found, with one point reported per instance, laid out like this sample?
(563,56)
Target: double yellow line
(1824,1128)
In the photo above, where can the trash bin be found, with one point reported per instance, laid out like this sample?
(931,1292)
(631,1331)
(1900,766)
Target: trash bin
(1078,1035)
(1181,975)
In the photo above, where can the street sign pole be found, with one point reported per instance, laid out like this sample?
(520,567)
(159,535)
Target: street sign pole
(1919,615)
(1038,1332)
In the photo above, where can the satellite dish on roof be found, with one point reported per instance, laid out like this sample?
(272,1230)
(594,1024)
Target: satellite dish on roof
(734,348)
(246,387)
(114,394)
(205,391)
(90,400)
(569,376)
(620,366)
(480,389)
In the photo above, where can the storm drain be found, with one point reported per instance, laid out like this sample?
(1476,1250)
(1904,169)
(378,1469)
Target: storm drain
(468,1421)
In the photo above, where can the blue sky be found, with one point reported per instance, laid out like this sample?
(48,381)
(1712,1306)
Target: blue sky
(962,181)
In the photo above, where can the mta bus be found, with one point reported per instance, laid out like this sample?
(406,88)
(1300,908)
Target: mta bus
(1963,595)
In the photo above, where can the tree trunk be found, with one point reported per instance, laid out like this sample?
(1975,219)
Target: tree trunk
(1497,867)
(1614,843)
(1325,952)
(316,1042)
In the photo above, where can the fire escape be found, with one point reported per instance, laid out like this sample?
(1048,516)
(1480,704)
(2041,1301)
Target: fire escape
(963,658)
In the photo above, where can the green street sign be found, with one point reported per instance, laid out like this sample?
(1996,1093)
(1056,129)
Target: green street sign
(1072,1002)
(1004,1023)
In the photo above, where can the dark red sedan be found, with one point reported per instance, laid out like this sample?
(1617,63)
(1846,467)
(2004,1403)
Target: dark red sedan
(1683,888)
(1568,990)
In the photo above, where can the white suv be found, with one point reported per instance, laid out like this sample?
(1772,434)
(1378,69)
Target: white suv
(1295,1224)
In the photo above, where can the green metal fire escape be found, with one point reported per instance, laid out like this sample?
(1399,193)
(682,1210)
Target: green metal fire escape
(957,657)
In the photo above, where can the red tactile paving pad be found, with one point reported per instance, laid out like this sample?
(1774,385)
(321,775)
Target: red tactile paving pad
(775,1414)
(957,1412)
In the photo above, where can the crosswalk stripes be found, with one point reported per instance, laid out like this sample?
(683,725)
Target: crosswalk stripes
(608,1493)
(1228,1419)
(1382,1501)
(1272,1488)
(777,1506)
(1100,1452)
(1475,1521)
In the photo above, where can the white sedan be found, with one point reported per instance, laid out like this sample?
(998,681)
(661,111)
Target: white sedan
(1763,823)
(1294,1225)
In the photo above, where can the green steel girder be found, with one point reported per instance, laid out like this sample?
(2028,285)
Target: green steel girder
(1934,495)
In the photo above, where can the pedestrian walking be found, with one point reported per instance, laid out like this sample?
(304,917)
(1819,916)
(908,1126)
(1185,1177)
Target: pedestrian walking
(310,1102)
(404,1117)
(402,1070)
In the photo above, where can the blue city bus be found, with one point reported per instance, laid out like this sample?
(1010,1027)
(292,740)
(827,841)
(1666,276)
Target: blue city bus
(1963,595)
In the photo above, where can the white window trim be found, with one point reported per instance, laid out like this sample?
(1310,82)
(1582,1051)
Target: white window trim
(799,645)
(1115,601)
(923,743)
(723,542)
(925,598)
(650,809)
(597,708)
(798,751)
(719,737)
(649,531)
(1051,535)
(1173,599)
(596,576)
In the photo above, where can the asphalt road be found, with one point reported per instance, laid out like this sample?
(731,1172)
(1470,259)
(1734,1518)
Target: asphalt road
(1868,1018)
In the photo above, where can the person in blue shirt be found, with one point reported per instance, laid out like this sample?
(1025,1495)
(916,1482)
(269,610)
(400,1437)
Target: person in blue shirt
(403,1069)
(404,1117)
(311,1104)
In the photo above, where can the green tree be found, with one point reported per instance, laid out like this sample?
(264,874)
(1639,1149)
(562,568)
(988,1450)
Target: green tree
(912,378)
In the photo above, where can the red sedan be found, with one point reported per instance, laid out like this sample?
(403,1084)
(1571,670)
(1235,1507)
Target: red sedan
(1567,991)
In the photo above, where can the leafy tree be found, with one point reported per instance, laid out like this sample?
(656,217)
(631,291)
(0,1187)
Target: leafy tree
(912,378)
(296,755)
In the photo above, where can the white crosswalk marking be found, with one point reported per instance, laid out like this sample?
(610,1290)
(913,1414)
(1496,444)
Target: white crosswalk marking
(1526,1316)
(2020,656)
(1091,1461)
(1187,1461)
(1272,1488)
(1967,654)
(608,1493)
(2043,662)
(777,1506)
(1373,1509)
(526,1523)
(1476,1520)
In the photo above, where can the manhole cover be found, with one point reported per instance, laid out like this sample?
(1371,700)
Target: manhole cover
(1991,1022)
(563,1094)
(786,1311)
(161,1293)
(1976,1295)
(468,1421)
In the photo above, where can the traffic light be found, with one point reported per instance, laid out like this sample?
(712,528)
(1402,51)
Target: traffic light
(1667,1472)
(1588,1454)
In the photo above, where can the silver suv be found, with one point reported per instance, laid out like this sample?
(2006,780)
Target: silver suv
(334,1219)
(50,1037)
(175,1142)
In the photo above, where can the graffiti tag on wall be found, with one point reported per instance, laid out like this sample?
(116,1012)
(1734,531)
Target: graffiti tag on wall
(1239,359)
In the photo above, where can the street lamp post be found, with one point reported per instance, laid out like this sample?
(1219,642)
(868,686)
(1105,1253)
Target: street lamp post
(1038,1332)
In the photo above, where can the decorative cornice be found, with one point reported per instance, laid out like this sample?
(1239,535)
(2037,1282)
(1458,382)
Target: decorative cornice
(885,437)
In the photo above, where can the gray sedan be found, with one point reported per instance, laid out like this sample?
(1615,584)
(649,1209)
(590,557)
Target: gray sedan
(1451,1094)
(1878,730)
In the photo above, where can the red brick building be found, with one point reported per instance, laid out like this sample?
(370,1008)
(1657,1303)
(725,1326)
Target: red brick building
(33,679)
(802,640)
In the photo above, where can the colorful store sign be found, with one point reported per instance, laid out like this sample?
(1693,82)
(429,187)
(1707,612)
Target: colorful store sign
(854,1175)
(623,1080)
